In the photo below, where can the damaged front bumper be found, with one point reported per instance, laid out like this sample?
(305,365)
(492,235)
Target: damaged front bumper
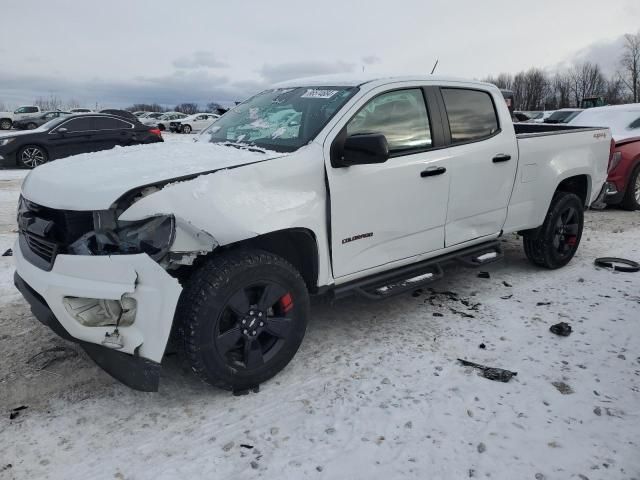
(135,358)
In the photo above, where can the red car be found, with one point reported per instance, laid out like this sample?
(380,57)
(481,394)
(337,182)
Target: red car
(623,183)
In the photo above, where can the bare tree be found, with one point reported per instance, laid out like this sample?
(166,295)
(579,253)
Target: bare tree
(561,87)
(504,81)
(145,107)
(188,108)
(72,103)
(51,103)
(3,107)
(587,80)
(615,92)
(630,63)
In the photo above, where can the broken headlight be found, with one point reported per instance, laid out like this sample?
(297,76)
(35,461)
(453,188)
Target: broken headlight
(153,236)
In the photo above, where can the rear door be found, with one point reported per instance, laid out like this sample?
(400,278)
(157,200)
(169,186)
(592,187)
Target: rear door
(383,213)
(111,132)
(484,158)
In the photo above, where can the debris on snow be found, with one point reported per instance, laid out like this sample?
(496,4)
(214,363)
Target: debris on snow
(8,253)
(16,411)
(484,275)
(563,388)
(490,373)
(563,329)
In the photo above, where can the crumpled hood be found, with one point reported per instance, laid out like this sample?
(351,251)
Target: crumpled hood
(93,181)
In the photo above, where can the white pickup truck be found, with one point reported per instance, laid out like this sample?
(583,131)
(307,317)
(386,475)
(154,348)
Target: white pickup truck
(329,186)
(20,113)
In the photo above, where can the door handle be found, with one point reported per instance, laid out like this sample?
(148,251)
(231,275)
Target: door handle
(501,158)
(432,172)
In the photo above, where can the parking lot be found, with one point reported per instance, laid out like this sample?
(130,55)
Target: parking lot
(375,391)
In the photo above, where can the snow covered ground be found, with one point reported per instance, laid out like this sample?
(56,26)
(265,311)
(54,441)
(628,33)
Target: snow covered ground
(375,391)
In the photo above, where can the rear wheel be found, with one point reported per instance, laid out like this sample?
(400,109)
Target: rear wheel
(31,126)
(243,316)
(554,244)
(161,127)
(5,124)
(31,156)
(631,200)
(186,129)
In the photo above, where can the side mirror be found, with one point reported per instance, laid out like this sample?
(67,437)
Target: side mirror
(62,130)
(363,149)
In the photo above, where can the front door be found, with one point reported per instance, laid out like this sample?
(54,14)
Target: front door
(386,212)
(72,137)
(484,158)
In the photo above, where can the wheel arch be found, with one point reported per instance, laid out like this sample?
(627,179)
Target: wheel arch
(577,184)
(299,246)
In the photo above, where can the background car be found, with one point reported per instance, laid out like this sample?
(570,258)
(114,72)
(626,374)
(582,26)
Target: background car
(72,135)
(564,115)
(34,122)
(193,123)
(25,111)
(623,182)
(80,110)
(162,122)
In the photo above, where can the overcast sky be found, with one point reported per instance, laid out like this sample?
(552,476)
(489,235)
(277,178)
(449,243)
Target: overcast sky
(118,52)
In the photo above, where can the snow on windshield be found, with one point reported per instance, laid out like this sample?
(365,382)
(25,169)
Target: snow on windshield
(624,123)
(281,119)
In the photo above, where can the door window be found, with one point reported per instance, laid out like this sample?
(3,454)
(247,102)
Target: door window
(401,116)
(78,125)
(472,115)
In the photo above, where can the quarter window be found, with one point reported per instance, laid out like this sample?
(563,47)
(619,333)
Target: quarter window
(401,116)
(471,113)
(110,124)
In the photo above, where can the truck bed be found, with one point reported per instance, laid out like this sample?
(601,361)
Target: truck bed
(524,130)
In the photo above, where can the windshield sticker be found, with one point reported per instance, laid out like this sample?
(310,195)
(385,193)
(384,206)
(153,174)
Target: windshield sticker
(315,93)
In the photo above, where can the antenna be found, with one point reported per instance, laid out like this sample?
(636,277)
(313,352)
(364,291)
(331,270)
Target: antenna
(434,66)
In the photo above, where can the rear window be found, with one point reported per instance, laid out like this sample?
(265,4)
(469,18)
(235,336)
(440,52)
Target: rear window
(472,115)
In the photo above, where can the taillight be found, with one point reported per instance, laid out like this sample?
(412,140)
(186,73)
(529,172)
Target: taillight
(614,161)
(156,131)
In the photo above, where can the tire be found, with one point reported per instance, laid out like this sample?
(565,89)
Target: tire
(31,126)
(161,127)
(30,156)
(5,124)
(186,129)
(243,315)
(631,199)
(555,242)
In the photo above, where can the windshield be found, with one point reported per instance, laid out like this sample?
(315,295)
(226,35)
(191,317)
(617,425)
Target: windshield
(282,119)
(52,123)
(563,116)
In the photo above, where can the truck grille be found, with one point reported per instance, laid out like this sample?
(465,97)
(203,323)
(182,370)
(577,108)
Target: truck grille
(46,232)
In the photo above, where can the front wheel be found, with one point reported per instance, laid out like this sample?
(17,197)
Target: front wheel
(186,129)
(243,315)
(554,244)
(5,124)
(31,126)
(31,156)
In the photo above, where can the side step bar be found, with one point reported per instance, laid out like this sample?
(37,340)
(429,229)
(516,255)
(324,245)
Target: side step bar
(410,277)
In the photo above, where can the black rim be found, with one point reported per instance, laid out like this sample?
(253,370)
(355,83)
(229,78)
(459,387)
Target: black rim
(254,325)
(565,238)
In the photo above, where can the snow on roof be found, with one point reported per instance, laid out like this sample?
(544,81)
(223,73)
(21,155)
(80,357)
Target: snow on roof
(353,80)
(623,120)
